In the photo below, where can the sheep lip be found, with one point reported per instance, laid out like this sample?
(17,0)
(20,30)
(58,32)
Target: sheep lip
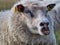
(45,31)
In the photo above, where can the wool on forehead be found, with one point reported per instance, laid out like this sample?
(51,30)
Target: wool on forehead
(25,2)
(28,3)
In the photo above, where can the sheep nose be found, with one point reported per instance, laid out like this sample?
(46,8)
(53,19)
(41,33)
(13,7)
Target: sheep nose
(44,24)
(45,29)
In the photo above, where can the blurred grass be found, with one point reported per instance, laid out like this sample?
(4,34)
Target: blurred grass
(58,37)
(7,4)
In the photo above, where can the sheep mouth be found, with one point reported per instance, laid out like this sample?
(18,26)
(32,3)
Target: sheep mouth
(45,31)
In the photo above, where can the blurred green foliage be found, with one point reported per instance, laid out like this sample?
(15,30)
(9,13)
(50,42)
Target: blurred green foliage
(6,4)
(58,37)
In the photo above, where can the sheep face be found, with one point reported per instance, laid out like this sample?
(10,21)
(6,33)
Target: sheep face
(35,17)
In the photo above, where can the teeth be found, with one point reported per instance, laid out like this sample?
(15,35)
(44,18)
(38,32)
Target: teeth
(47,32)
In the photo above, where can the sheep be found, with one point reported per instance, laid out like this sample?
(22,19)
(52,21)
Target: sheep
(27,23)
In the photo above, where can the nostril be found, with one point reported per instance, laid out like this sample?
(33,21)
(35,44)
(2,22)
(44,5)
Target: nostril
(47,23)
(41,24)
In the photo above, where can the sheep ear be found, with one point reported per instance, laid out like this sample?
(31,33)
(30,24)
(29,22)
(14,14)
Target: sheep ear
(50,6)
(19,8)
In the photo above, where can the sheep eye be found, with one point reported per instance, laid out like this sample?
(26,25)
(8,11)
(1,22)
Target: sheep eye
(28,11)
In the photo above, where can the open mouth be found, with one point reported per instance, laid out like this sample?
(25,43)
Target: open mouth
(45,31)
